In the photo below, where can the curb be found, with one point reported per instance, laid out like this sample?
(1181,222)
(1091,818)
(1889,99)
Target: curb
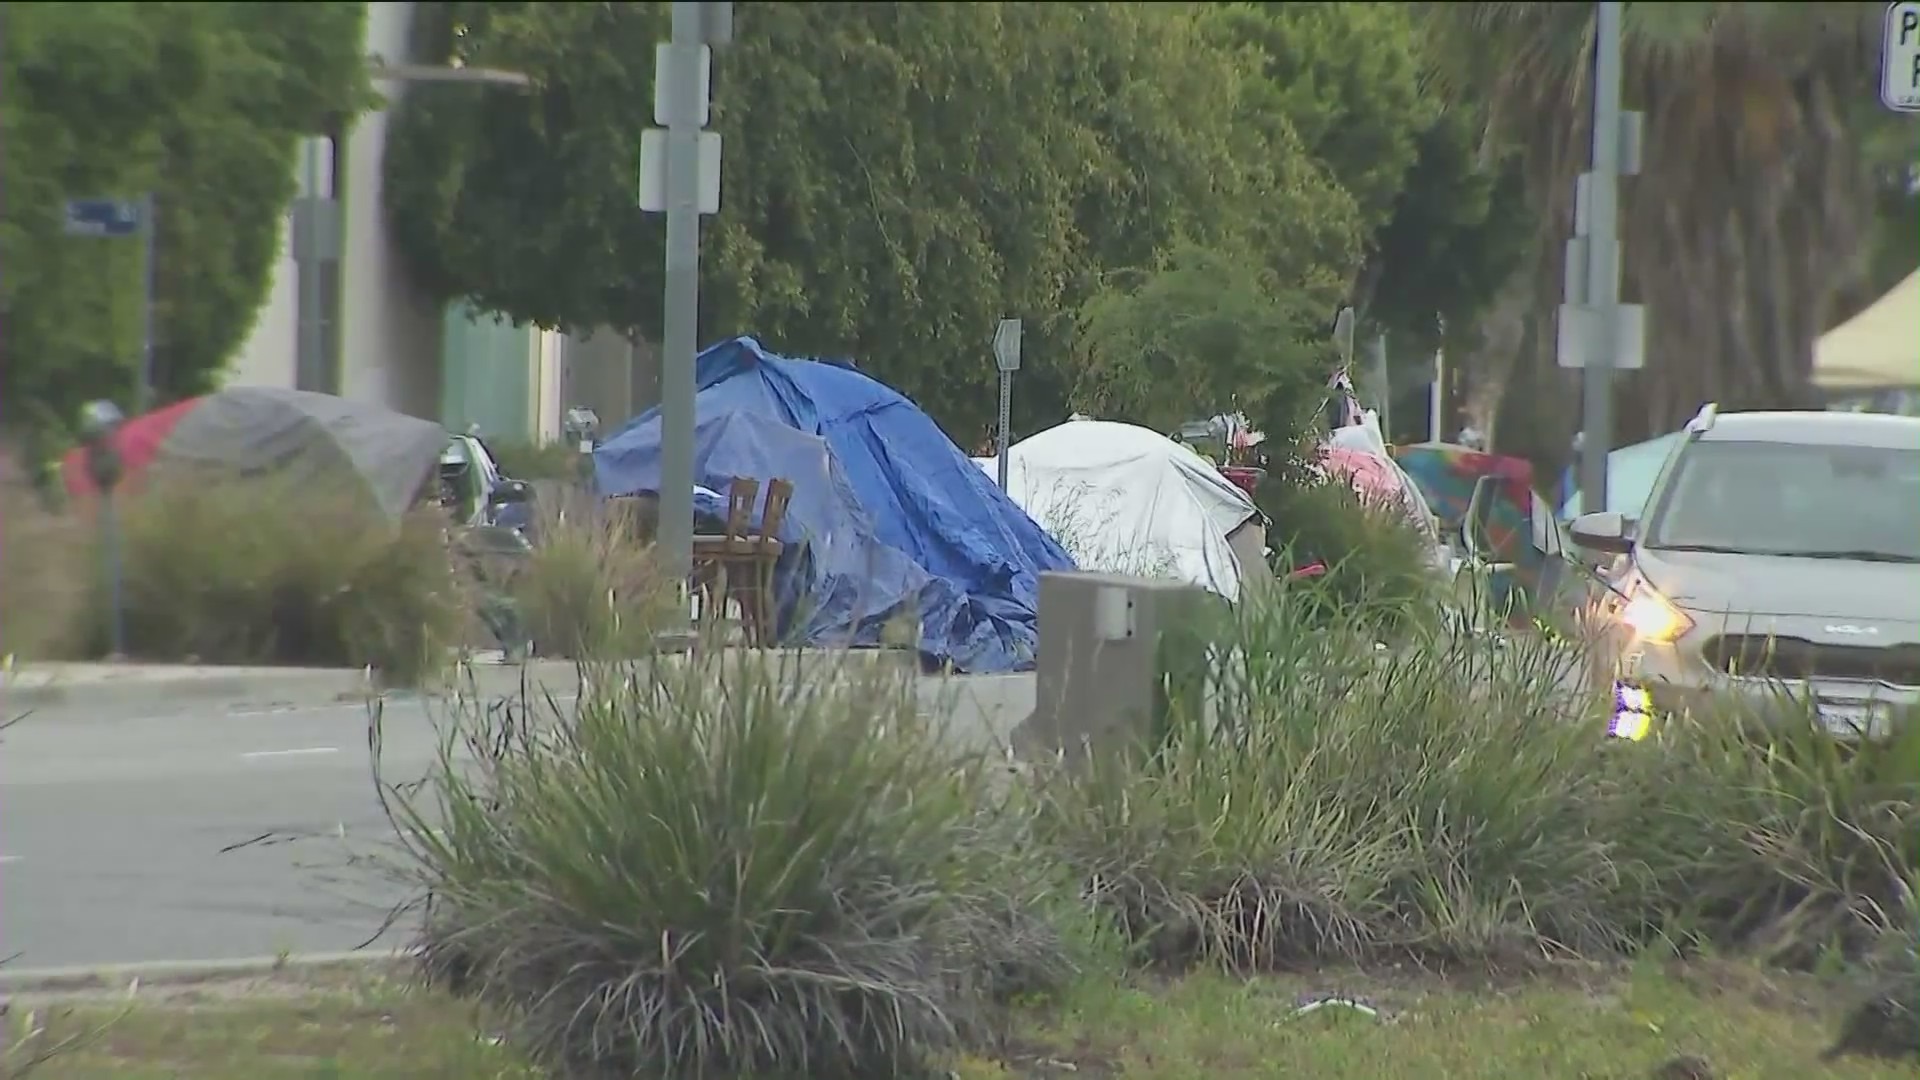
(252,689)
(105,977)
(165,691)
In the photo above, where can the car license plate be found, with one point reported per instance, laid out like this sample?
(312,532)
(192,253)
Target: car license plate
(1853,717)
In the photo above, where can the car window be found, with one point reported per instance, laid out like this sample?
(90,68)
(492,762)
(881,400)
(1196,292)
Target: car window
(1785,499)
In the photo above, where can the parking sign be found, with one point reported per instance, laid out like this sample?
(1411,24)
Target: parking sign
(1900,57)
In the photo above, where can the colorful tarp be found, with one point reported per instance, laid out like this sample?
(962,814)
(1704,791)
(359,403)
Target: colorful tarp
(1446,474)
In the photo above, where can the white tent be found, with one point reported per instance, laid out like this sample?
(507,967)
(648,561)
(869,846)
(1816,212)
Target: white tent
(1876,349)
(1123,499)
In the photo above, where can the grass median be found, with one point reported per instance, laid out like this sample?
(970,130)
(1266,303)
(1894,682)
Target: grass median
(1583,1022)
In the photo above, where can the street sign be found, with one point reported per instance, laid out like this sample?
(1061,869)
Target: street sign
(653,171)
(1579,325)
(663,82)
(102,217)
(1900,57)
(1006,345)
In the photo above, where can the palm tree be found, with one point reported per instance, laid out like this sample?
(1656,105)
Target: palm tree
(1753,211)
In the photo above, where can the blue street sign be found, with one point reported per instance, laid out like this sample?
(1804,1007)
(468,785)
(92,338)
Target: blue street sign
(102,217)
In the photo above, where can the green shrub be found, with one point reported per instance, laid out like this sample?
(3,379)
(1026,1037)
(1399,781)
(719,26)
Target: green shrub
(523,459)
(251,573)
(1453,796)
(1883,1019)
(1798,842)
(1377,562)
(1330,799)
(775,873)
(45,576)
(589,589)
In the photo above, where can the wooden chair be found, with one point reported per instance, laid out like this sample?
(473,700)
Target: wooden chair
(758,608)
(714,557)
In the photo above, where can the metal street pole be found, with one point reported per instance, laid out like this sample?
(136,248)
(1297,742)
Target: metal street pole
(1006,423)
(682,294)
(1603,260)
(1006,360)
(1437,397)
(310,364)
(144,394)
(1383,377)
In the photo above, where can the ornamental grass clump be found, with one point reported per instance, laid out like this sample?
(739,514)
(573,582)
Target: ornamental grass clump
(1320,796)
(729,865)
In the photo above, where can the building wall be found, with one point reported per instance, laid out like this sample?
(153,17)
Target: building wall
(397,347)
(486,383)
(267,356)
(390,330)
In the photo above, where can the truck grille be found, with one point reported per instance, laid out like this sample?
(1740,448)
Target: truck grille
(1754,656)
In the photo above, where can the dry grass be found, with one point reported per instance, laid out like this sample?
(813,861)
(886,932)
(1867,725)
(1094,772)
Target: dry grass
(47,576)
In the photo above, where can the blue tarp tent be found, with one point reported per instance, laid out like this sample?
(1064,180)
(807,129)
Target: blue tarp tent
(836,583)
(913,496)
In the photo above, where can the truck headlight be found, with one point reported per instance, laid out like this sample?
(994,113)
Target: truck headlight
(1652,617)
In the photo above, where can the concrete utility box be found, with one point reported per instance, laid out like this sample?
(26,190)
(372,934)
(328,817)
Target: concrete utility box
(1099,683)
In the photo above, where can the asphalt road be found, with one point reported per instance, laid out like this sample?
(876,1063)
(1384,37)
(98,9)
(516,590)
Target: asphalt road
(228,834)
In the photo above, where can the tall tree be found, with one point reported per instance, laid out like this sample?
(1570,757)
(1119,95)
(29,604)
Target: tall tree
(200,104)
(1352,80)
(1752,214)
(896,177)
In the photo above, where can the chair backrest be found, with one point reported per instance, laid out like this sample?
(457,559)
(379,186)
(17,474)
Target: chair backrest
(779,493)
(741,495)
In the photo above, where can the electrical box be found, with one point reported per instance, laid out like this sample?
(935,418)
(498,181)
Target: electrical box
(1102,674)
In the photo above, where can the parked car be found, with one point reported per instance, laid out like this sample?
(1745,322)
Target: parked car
(475,492)
(1779,552)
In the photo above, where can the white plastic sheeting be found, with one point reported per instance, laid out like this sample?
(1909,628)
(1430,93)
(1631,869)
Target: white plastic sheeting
(1365,438)
(1124,499)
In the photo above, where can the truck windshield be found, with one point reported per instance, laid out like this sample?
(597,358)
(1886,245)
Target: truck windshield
(1835,502)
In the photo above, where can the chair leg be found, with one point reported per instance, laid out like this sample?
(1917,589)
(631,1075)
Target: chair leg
(764,615)
(750,613)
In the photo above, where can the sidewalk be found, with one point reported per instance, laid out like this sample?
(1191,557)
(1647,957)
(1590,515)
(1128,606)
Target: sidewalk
(134,689)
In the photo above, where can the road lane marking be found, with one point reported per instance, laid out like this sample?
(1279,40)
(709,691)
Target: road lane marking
(305,751)
(5,859)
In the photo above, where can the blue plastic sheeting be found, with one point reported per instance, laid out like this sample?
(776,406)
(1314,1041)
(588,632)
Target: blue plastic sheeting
(907,524)
(830,565)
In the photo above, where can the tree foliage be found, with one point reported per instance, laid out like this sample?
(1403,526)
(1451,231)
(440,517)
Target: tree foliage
(1752,217)
(200,104)
(899,176)
(1224,330)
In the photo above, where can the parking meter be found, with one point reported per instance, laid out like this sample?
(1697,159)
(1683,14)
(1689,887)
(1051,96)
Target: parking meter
(583,431)
(100,421)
